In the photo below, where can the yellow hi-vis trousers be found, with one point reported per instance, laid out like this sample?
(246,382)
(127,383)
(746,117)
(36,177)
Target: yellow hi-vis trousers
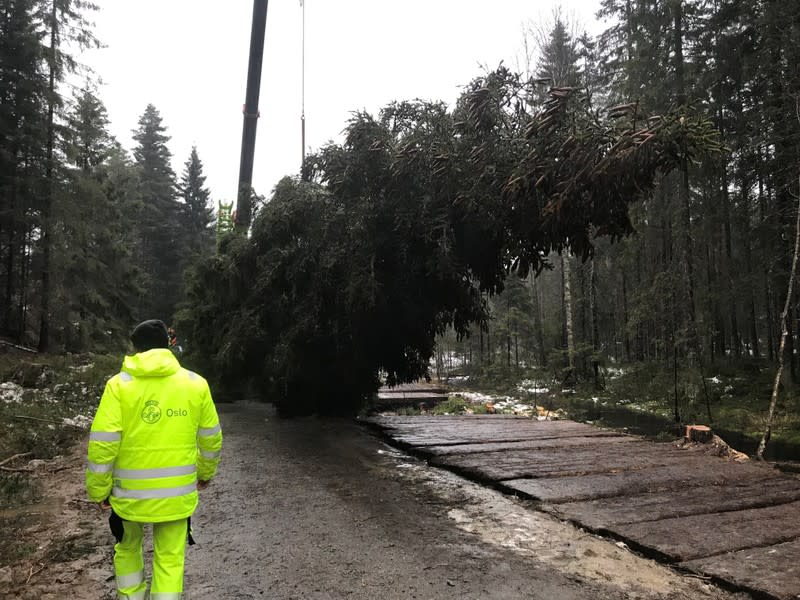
(169,546)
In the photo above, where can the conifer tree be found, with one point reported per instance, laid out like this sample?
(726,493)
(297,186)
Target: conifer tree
(94,260)
(23,132)
(198,209)
(161,240)
(66,25)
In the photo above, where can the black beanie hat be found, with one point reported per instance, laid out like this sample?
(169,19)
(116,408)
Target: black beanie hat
(150,334)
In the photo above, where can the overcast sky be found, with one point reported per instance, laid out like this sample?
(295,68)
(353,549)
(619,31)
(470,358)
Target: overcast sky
(189,59)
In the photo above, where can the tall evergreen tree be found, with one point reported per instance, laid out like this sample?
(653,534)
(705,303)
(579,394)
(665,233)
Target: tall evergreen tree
(198,208)
(559,66)
(94,260)
(23,134)
(66,25)
(161,241)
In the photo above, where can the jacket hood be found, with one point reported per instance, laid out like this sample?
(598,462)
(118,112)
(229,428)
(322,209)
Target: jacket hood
(158,362)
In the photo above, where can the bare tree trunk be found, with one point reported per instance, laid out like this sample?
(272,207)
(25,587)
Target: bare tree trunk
(625,336)
(736,339)
(755,349)
(537,312)
(683,187)
(784,325)
(480,355)
(47,226)
(770,317)
(593,306)
(508,330)
(12,249)
(565,266)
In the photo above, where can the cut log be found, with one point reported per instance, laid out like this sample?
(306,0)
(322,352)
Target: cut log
(699,433)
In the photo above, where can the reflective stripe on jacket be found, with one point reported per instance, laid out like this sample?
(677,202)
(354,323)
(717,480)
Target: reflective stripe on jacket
(156,432)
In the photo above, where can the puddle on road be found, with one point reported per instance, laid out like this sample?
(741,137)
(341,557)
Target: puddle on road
(514,524)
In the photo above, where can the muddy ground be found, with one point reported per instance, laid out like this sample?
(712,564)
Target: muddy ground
(318,509)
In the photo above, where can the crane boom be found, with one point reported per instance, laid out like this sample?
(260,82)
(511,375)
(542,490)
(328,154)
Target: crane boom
(251,114)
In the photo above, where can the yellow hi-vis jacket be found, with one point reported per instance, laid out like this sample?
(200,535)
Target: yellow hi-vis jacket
(156,432)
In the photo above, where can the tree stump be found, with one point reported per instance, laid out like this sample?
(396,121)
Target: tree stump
(699,433)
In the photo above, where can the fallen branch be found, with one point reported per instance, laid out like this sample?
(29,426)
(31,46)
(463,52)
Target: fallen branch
(18,347)
(12,470)
(33,573)
(15,457)
(694,576)
(38,420)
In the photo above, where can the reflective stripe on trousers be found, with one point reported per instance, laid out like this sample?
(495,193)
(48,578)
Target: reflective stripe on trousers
(130,581)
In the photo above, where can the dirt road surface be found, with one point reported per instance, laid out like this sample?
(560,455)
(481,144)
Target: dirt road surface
(320,509)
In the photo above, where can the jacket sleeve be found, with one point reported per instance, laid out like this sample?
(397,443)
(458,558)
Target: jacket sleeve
(209,439)
(104,441)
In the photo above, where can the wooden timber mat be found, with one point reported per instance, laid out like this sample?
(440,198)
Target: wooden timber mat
(737,523)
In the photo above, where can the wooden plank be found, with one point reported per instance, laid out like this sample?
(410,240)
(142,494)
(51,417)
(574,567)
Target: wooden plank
(562,462)
(693,471)
(422,420)
(411,396)
(535,444)
(773,570)
(451,433)
(458,425)
(499,437)
(689,538)
(413,387)
(693,498)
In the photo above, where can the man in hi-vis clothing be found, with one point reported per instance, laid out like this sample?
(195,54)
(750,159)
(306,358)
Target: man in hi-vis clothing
(155,441)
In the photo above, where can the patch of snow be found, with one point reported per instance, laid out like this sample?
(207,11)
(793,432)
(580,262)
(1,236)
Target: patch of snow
(532,387)
(715,379)
(81,421)
(478,398)
(460,378)
(10,393)
(615,372)
(514,407)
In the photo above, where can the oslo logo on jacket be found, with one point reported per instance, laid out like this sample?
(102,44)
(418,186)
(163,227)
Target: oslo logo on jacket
(151,412)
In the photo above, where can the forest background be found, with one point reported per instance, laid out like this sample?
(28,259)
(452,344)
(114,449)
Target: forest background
(93,238)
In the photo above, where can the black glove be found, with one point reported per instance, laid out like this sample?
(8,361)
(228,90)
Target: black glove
(115,523)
